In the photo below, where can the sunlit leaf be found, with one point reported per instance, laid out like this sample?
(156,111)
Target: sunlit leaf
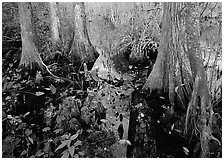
(74,136)
(95,77)
(89,130)
(104,120)
(57,130)
(178,130)
(10,65)
(23,81)
(26,114)
(65,136)
(142,125)
(46,129)
(71,150)
(59,80)
(61,146)
(18,120)
(39,93)
(22,125)
(30,139)
(161,97)
(65,154)
(23,153)
(138,105)
(81,153)
(78,143)
(39,153)
(172,126)
(68,142)
(163,106)
(4,87)
(186,151)
(142,115)
(39,77)
(53,89)
(124,142)
(28,132)
(7,98)
(79,91)
(18,70)
(76,156)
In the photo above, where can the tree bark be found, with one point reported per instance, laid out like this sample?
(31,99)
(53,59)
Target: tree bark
(164,73)
(201,99)
(54,24)
(179,50)
(82,50)
(30,56)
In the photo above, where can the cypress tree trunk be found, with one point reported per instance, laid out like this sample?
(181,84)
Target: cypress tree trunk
(82,50)
(54,24)
(30,57)
(200,105)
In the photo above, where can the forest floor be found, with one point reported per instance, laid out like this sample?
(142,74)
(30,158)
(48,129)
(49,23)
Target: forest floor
(117,101)
(122,107)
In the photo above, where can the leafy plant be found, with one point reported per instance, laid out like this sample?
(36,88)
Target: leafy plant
(70,145)
(18,134)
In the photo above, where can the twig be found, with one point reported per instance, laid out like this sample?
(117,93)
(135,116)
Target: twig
(204,9)
(149,10)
